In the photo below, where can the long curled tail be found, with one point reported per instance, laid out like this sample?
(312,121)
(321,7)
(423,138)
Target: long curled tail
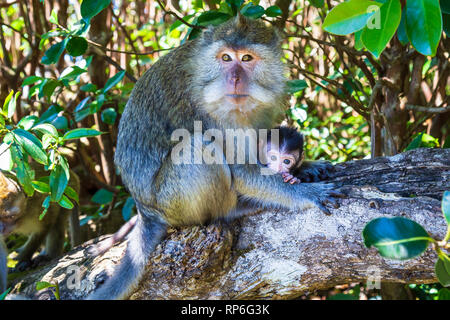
(149,230)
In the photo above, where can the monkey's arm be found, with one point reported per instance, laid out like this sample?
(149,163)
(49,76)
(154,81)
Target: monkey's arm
(271,190)
(314,171)
(29,248)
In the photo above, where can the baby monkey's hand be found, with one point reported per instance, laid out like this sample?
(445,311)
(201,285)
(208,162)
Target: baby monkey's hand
(289,178)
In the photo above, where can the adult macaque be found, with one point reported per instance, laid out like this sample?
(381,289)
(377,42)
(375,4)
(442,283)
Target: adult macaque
(231,77)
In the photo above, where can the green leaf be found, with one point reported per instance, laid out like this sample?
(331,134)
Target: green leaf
(46,128)
(90,8)
(446,206)
(113,81)
(40,186)
(102,196)
(423,140)
(424,25)
(54,52)
(9,106)
(444,294)
(30,80)
(4,294)
(65,202)
(58,182)
(396,238)
(40,285)
(252,11)
(47,87)
(71,73)
(273,11)
(294,86)
(27,122)
(24,175)
(71,194)
(359,45)
(80,133)
(376,39)
(442,272)
(212,18)
(31,144)
(89,87)
(127,209)
(348,17)
(109,116)
(401,32)
(77,46)
(317,3)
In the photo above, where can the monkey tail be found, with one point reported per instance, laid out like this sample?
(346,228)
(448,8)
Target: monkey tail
(149,230)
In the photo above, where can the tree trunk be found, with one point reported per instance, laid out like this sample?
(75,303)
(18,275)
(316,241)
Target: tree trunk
(281,254)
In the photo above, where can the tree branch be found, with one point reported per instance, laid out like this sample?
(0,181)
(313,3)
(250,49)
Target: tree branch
(284,254)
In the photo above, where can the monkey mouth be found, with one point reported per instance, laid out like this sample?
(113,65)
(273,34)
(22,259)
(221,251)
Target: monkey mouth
(237,98)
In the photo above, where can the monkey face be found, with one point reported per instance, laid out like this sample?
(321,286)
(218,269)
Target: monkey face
(282,162)
(237,66)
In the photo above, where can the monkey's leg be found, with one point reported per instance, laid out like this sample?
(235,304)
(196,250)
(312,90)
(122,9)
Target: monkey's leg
(29,248)
(270,191)
(74,227)
(54,242)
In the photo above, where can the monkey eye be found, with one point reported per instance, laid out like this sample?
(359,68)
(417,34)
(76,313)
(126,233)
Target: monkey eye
(247,57)
(287,161)
(226,57)
(273,158)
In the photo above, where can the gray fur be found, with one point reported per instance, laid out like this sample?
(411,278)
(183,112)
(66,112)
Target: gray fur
(171,95)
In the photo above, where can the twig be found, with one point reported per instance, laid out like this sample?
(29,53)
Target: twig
(177,16)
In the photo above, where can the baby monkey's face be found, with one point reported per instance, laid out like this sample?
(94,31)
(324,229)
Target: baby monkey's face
(282,161)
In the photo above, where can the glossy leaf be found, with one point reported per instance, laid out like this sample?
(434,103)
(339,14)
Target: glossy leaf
(127,209)
(401,31)
(423,140)
(81,133)
(46,128)
(252,11)
(375,39)
(71,193)
(348,17)
(113,81)
(424,25)
(54,52)
(442,270)
(58,182)
(65,202)
(90,8)
(317,3)
(212,18)
(296,85)
(444,294)
(109,116)
(273,11)
(31,145)
(396,238)
(77,46)
(102,196)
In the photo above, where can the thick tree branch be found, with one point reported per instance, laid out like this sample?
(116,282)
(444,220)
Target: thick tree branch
(284,254)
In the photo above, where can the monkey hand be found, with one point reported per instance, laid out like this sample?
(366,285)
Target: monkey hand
(321,195)
(289,178)
(314,171)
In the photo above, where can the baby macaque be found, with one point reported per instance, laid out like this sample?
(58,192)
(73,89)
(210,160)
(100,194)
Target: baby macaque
(285,156)
(20,214)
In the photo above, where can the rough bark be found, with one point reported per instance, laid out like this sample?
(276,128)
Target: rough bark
(282,254)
